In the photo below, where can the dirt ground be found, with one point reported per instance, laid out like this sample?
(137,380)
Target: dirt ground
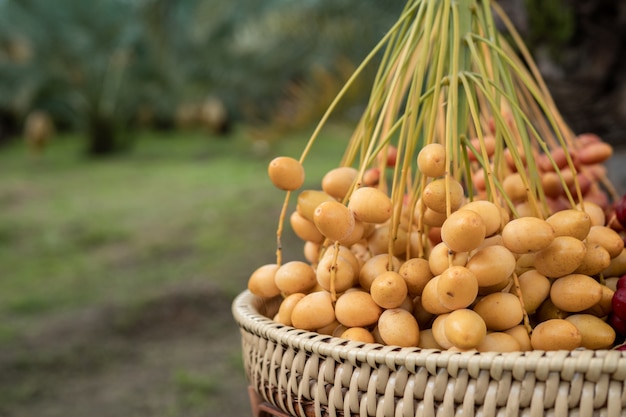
(176,355)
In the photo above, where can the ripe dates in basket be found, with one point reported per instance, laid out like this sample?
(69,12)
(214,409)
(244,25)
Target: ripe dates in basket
(617,318)
(620,210)
(619,303)
(617,324)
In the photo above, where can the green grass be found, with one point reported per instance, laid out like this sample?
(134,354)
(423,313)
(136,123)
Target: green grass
(194,390)
(75,231)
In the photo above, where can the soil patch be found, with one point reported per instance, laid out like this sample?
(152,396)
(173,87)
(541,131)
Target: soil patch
(177,354)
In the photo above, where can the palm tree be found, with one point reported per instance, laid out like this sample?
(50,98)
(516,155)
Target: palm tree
(94,64)
(81,61)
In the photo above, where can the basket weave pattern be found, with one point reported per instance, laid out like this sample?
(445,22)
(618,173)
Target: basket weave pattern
(308,374)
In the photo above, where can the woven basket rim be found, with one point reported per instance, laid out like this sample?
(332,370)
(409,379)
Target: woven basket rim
(248,311)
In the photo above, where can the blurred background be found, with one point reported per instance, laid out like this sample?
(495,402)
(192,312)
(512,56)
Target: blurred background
(134,141)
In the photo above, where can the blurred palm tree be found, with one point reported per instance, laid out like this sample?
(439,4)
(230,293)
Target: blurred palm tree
(77,66)
(96,65)
(289,41)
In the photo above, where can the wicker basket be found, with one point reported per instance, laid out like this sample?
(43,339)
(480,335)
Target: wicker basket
(308,374)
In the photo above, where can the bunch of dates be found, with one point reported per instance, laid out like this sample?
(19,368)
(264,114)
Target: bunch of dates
(446,271)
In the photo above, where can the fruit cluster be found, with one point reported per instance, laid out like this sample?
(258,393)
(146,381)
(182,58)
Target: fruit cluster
(561,171)
(452,267)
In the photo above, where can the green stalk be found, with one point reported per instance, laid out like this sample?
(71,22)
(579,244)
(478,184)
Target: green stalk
(353,77)
(463,17)
(457,117)
(440,34)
